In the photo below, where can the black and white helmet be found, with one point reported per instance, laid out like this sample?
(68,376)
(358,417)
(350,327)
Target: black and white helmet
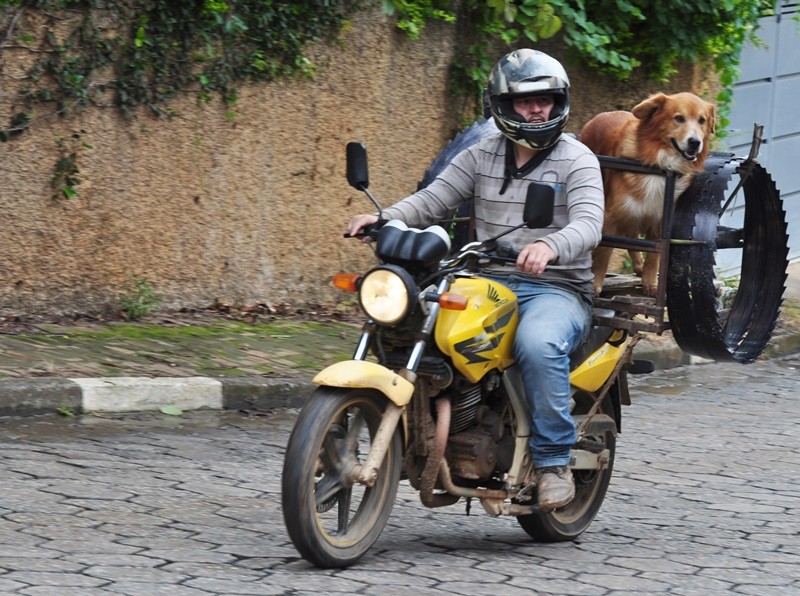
(523,73)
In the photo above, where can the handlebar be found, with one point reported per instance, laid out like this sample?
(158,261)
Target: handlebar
(472,254)
(505,251)
(370,230)
(479,252)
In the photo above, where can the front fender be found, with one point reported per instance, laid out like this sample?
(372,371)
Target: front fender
(360,373)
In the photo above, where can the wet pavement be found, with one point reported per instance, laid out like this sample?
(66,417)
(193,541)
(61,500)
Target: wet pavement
(705,499)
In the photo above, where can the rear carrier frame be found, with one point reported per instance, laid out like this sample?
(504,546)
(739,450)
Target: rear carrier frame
(688,301)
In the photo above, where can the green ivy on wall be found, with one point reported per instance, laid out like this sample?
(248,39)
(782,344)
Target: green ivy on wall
(132,53)
(616,37)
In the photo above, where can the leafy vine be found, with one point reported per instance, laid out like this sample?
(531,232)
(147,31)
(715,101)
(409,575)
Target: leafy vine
(66,178)
(133,53)
(616,37)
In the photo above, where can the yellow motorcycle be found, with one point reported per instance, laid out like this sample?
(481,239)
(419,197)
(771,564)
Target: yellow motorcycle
(433,397)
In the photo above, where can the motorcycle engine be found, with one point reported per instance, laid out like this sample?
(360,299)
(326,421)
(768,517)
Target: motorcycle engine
(480,443)
(464,407)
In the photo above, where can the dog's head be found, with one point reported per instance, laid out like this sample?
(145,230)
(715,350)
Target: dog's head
(683,123)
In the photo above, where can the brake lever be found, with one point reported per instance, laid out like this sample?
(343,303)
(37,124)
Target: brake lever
(502,253)
(505,250)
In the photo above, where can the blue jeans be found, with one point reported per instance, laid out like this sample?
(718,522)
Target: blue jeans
(553,322)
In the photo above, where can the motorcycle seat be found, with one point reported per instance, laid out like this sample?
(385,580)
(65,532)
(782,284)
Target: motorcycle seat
(598,335)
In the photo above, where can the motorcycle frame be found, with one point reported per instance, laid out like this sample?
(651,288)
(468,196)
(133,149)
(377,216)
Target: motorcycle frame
(386,382)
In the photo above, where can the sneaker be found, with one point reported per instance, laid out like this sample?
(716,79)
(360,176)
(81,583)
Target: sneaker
(555,486)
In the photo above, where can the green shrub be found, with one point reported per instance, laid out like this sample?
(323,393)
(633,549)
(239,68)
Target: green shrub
(139,299)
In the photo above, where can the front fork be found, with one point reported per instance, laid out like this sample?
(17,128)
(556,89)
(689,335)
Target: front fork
(367,472)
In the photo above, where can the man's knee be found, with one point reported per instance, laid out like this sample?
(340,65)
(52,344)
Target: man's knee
(539,350)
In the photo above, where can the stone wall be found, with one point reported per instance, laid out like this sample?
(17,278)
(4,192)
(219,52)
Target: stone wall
(240,211)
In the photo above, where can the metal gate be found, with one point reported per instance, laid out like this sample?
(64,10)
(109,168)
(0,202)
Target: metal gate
(767,93)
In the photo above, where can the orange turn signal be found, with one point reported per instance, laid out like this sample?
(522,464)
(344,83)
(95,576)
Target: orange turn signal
(346,281)
(452,301)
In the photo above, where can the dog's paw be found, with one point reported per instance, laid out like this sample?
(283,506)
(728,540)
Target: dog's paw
(650,289)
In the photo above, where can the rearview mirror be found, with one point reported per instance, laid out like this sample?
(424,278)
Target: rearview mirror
(539,204)
(357,171)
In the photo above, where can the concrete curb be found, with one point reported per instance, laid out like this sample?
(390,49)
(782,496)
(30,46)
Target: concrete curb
(46,395)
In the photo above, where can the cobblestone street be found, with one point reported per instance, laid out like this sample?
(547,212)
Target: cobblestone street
(705,499)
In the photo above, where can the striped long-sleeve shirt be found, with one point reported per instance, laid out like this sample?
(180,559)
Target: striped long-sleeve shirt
(477,173)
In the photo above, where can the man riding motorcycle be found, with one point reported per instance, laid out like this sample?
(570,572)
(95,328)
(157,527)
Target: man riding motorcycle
(528,97)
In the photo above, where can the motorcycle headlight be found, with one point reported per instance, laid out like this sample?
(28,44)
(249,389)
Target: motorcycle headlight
(387,294)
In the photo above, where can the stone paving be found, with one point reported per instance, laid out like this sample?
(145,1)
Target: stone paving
(705,500)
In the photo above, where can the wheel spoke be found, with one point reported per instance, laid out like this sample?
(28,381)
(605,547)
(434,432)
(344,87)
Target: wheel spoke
(327,488)
(338,456)
(353,433)
(331,452)
(332,459)
(344,499)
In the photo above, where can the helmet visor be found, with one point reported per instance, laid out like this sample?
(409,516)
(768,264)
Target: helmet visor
(543,86)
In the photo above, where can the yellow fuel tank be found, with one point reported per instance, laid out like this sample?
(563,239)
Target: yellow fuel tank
(479,338)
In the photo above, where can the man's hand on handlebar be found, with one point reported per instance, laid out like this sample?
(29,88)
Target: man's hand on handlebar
(357,225)
(534,258)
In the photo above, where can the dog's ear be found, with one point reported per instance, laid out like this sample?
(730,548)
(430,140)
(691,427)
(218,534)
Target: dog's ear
(645,110)
(712,119)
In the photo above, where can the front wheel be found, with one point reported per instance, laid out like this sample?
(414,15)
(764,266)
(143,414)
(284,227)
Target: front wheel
(569,522)
(331,519)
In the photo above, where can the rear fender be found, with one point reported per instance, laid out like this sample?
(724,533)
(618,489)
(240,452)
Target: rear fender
(592,374)
(368,375)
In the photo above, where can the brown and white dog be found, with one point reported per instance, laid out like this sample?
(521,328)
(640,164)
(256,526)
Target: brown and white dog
(671,132)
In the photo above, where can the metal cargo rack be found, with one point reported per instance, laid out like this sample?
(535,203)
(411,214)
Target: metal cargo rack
(686,300)
(620,292)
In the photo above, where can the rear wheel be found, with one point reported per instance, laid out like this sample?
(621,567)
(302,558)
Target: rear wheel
(571,521)
(331,519)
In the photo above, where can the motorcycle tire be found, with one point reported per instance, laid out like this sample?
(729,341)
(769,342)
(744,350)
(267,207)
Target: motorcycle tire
(332,520)
(569,522)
